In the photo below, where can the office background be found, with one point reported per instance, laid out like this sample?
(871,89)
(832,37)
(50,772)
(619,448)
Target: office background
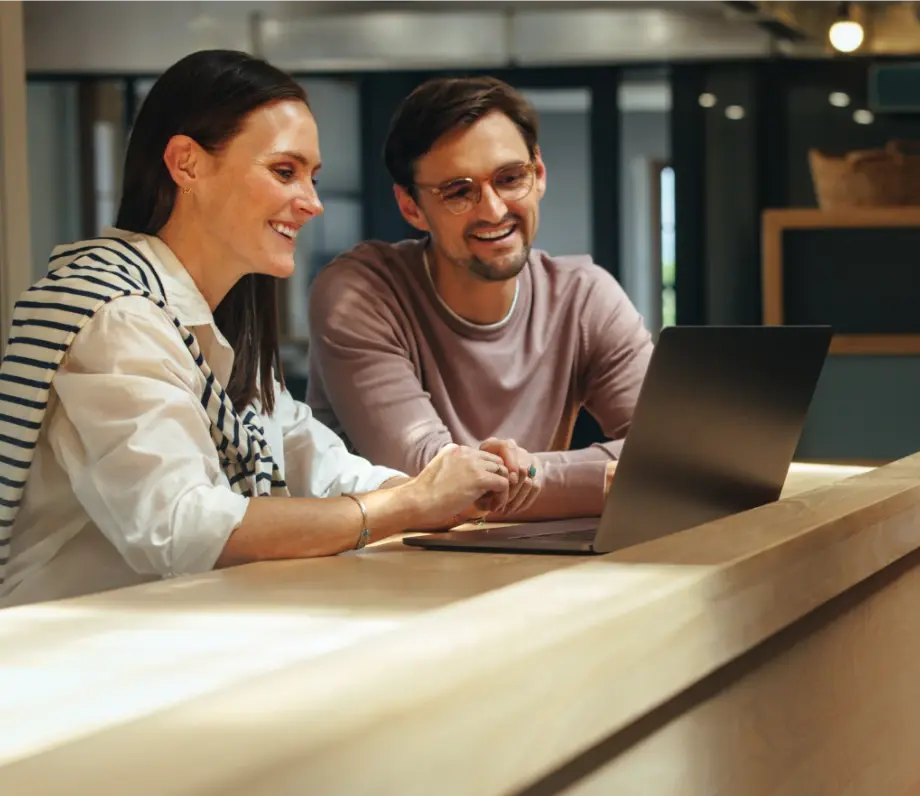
(668,130)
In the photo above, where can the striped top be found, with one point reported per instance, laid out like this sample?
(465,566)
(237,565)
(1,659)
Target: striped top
(45,322)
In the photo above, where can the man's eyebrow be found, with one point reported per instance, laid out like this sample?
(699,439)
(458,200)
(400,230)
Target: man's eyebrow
(508,165)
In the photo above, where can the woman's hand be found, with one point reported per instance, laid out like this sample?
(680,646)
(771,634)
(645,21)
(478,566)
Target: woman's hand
(458,484)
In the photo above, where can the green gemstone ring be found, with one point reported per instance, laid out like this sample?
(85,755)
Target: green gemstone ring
(532,472)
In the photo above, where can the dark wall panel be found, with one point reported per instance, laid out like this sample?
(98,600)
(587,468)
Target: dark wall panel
(731,198)
(381,93)
(861,281)
(688,154)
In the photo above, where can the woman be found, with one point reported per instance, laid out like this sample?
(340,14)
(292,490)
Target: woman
(165,443)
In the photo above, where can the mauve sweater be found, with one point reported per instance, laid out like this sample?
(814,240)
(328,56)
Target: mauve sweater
(398,375)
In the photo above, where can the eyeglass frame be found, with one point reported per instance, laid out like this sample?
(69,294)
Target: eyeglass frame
(438,190)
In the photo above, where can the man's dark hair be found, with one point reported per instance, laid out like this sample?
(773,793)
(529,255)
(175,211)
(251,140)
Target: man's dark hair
(207,96)
(442,105)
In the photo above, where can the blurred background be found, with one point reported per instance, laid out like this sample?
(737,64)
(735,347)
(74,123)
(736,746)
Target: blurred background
(677,137)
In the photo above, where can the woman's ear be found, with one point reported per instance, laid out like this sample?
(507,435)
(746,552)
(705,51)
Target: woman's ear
(182,159)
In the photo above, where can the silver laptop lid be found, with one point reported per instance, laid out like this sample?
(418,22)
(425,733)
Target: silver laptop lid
(717,423)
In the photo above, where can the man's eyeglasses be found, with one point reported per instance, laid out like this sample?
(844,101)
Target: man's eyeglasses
(511,183)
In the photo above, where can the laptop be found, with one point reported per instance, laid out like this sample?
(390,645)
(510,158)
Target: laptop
(716,425)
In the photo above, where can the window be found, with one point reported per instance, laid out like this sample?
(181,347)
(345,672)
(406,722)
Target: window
(667,246)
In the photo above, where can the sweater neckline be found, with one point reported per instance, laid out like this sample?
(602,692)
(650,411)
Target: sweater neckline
(478,327)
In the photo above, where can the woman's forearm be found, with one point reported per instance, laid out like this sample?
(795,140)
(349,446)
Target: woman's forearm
(282,528)
(457,481)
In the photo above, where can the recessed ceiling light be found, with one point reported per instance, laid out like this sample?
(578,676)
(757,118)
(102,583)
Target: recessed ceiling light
(707,100)
(734,112)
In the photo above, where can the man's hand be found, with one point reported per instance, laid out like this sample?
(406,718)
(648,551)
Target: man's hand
(524,475)
(457,485)
(611,469)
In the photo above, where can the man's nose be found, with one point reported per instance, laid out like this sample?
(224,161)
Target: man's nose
(492,207)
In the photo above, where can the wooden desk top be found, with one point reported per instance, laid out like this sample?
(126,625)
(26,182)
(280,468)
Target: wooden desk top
(311,671)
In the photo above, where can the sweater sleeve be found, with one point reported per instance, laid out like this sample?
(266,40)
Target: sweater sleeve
(360,353)
(616,349)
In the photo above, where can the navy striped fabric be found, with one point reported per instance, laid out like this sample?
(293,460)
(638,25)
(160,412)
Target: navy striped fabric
(45,322)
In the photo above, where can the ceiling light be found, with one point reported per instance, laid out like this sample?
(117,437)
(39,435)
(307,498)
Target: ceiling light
(839,99)
(846,34)
(863,116)
(734,112)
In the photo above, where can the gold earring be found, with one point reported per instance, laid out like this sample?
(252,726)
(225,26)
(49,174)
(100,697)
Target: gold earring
(186,191)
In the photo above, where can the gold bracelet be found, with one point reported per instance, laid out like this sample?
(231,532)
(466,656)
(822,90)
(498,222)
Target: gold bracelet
(365,536)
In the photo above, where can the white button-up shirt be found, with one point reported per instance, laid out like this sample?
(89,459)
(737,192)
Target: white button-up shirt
(126,486)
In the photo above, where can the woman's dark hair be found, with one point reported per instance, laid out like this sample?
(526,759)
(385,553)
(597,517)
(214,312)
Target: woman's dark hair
(441,105)
(207,96)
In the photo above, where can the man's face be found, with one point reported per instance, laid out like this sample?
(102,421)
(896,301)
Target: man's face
(488,161)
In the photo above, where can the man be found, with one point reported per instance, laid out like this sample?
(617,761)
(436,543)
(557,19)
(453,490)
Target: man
(470,335)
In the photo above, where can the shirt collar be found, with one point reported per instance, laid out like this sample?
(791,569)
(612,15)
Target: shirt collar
(182,294)
(184,298)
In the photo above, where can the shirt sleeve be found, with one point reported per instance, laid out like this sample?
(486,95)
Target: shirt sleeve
(316,461)
(132,435)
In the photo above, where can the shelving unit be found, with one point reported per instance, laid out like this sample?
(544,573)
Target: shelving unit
(856,269)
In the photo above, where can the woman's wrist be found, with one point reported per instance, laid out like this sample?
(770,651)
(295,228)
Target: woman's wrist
(394,509)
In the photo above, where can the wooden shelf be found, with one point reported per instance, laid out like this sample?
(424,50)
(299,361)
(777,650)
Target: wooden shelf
(776,222)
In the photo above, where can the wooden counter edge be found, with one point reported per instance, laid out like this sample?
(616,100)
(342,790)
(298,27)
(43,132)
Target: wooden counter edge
(494,692)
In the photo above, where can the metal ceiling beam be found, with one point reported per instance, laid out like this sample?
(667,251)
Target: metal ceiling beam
(312,8)
(777,19)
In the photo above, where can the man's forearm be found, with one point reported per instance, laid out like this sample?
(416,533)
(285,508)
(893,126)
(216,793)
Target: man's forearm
(598,452)
(573,489)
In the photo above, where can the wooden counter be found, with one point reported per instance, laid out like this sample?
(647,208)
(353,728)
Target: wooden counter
(771,652)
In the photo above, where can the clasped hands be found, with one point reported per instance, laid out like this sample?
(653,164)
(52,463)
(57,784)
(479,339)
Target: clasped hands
(525,478)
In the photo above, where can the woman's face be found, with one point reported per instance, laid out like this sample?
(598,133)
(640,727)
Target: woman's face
(256,193)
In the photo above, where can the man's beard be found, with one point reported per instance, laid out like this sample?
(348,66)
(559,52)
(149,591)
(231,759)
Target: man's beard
(490,273)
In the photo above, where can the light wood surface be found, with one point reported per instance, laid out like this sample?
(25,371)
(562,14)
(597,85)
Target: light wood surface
(405,671)
(776,221)
(829,706)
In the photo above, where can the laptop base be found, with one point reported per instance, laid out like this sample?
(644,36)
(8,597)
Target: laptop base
(559,537)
